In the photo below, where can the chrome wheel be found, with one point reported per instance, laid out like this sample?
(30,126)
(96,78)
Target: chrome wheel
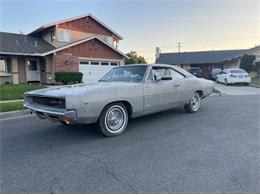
(195,102)
(115,119)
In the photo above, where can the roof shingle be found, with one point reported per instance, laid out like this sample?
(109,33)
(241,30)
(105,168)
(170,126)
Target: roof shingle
(200,57)
(23,44)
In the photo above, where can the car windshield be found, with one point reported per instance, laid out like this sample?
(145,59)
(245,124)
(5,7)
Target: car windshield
(237,71)
(125,74)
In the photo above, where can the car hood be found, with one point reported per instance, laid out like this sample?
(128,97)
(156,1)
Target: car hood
(63,91)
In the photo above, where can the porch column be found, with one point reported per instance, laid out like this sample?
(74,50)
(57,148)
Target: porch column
(15,70)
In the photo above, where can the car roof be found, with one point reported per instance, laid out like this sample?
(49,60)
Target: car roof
(163,66)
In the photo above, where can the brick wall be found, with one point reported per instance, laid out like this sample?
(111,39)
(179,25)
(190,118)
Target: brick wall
(66,62)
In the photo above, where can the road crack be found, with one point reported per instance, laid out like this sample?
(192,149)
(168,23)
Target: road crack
(109,171)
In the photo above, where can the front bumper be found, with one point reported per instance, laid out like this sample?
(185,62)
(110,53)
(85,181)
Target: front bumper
(69,116)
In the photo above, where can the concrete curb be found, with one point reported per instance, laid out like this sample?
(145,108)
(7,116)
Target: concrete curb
(10,101)
(17,113)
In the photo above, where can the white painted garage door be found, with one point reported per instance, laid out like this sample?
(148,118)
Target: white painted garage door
(95,70)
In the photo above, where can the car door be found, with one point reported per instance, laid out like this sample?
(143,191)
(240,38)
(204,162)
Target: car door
(181,90)
(161,95)
(221,76)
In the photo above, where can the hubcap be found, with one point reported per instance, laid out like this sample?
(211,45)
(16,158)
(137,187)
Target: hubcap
(195,102)
(115,119)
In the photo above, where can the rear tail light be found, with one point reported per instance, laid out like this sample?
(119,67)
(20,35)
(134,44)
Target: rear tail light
(233,76)
(247,76)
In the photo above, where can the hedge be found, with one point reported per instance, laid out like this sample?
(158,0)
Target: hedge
(68,77)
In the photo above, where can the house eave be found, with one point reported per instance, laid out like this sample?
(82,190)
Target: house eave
(75,18)
(21,54)
(82,41)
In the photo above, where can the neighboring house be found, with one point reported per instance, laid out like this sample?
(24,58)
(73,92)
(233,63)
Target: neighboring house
(206,60)
(81,44)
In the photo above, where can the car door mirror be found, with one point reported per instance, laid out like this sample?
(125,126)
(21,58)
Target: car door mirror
(158,78)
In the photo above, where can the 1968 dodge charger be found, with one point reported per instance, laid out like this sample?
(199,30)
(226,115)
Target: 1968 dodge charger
(125,92)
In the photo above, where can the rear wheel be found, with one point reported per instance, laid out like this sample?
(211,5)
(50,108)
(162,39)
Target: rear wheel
(194,104)
(113,120)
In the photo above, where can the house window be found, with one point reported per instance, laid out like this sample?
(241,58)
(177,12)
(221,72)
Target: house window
(32,65)
(64,35)
(104,63)
(94,63)
(84,62)
(114,63)
(5,65)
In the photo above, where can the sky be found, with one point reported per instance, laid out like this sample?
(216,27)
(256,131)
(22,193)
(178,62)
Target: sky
(145,24)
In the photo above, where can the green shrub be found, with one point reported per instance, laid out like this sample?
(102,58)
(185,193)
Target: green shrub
(68,77)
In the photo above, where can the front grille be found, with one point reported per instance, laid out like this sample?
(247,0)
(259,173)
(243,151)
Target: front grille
(49,101)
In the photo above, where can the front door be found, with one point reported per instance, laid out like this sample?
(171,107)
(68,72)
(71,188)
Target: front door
(33,70)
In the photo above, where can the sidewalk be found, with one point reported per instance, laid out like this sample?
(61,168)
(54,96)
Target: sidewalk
(9,101)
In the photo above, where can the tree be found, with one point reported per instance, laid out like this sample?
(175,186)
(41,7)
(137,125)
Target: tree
(135,58)
(247,62)
(257,66)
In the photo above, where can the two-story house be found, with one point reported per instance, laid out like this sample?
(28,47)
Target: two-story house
(83,44)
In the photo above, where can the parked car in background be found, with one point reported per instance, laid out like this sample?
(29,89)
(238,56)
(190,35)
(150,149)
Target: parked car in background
(196,71)
(215,72)
(233,76)
(124,92)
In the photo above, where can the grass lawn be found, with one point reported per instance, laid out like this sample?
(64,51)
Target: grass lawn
(4,107)
(14,92)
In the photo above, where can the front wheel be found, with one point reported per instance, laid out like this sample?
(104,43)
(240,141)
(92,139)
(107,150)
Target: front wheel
(113,120)
(194,104)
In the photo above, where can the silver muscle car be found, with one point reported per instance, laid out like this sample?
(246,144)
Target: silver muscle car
(125,92)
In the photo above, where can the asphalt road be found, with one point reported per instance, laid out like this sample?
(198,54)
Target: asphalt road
(216,150)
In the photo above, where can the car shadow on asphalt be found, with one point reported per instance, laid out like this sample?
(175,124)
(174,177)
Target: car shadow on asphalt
(47,136)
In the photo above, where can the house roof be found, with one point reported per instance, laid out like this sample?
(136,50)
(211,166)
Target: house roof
(200,57)
(75,18)
(19,44)
(82,41)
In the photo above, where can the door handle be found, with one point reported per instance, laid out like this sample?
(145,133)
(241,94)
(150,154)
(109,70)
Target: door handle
(176,85)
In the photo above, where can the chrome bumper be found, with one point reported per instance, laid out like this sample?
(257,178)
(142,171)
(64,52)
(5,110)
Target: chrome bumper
(70,115)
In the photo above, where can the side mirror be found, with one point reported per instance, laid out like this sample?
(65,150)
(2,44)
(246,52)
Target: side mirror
(158,78)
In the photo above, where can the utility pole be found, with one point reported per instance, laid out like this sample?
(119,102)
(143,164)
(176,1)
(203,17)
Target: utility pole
(179,46)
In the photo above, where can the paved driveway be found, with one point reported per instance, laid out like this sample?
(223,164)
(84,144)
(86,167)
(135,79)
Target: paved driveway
(214,150)
(237,89)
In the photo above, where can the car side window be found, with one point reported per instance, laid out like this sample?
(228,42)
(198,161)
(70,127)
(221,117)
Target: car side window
(164,73)
(175,75)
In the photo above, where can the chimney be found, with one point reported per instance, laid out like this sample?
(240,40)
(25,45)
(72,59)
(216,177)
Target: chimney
(157,52)
(35,43)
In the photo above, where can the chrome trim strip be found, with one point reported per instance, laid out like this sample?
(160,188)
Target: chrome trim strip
(45,111)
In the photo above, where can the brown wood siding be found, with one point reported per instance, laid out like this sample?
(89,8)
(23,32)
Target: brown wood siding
(66,60)
(92,49)
(87,25)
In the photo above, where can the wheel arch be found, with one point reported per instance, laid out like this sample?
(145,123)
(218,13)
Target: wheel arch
(200,92)
(126,103)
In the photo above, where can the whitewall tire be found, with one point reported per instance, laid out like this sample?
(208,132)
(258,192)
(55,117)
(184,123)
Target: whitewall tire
(113,119)
(194,104)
